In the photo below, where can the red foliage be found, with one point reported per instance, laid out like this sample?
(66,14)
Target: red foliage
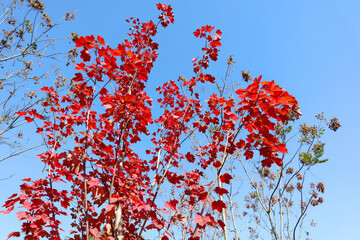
(113,190)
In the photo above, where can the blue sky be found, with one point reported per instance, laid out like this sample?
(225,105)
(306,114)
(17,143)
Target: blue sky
(311,48)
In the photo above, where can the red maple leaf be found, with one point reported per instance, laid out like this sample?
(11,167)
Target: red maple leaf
(218,205)
(225,178)
(221,191)
(202,221)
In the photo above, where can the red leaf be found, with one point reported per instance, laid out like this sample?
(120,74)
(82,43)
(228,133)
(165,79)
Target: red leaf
(202,221)
(194,238)
(225,178)
(89,41)
(158,224)
(78,77)
(8,210)
(190,157)
(100,40)
(21,215)
(80,66)
(197,33)
(85,55)
(29,119)
(221,191)
(221,223)
(13,234)
(161,6)
(173,178)
(171,204)
(282,148)
(93,182)
(109,207)
(129,98)
(65,204)
(215,44)
(80,42)
(209,29)
(249,154)
(217,164)
(167,232)
(229,114)
(12,196)
(218,205)
(95,232)
(22,113)
(240,144)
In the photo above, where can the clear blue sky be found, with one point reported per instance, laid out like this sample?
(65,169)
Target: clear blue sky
(309,47)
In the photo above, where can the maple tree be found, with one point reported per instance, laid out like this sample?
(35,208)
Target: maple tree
(97,174)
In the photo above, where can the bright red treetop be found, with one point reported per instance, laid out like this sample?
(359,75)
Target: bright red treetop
(101,181)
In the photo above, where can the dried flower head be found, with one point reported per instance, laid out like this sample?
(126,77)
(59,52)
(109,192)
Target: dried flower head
(253,194)
(308,133)
(314,202)
(320,116)
(20,134)
(320,187)
(294,113)
(272,176)
(290,170)
(299,176)
(60,81)
(334,124)
(315,194)
(303,205)
(69,16)
(313,224)
(274,200)
(289,188)
(246,76)
(230,61)
(279,129)
(182,78)
(264,172)
(36,4)
(31,94)
(299,186)
(74,36)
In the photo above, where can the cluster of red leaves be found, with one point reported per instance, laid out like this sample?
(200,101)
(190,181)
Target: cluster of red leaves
(263,101)
(210,52)
(113,191)
(167,15)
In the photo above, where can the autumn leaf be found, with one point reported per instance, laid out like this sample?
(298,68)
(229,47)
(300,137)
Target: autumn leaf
(100,40)
(93,182)
(222,224)
(13,234)
(171,204)
(190,157)
(218,205)
(225,178)
(202,221)
(249,154)
(221,191)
